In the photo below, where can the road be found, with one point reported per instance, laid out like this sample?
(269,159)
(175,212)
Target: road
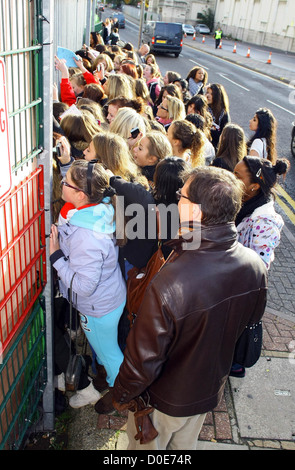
(247,91)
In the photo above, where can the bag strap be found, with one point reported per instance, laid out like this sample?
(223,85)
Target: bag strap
(71,312)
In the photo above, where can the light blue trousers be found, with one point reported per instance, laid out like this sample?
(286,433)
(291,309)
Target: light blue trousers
(102,334)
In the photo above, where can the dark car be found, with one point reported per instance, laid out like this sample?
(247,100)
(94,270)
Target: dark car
(293,139)
(163,37)
(121,19)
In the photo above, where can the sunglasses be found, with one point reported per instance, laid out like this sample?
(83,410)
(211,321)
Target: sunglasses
(179,195)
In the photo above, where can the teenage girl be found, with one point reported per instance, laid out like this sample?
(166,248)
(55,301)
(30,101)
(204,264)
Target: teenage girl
(187,142)
(84,252)
(231,148)
(197,79)
(263,142)
(218,105)
(151,149)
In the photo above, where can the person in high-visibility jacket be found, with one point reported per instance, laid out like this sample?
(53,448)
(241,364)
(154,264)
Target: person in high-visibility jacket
(217,37)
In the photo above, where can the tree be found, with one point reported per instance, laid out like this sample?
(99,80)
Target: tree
(207,17)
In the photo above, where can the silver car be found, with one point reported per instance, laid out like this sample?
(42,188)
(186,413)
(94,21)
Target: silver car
(202,29)
(188,29)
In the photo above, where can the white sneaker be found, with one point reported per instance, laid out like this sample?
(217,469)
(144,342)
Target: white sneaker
(87,396)
(60,382)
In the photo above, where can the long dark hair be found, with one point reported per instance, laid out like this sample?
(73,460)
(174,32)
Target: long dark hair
(232,145)
(267,128)
(168,178)
(220,100)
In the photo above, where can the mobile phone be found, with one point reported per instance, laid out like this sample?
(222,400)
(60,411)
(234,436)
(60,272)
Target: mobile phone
(58,149)
(134,132)
(98,67)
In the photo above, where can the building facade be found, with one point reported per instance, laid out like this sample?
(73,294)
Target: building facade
(181,11)
(263,22)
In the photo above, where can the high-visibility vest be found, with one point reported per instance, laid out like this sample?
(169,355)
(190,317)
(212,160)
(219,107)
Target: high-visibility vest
(218,34)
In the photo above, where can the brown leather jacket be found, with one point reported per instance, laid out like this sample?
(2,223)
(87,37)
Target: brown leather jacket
(181,346)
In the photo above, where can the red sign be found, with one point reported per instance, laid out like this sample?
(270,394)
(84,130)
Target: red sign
(5,173)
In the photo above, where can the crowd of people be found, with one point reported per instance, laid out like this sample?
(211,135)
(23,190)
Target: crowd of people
(124,130)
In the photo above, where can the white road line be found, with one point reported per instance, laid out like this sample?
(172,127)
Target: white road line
(281,107)
(203,66)
(235,83)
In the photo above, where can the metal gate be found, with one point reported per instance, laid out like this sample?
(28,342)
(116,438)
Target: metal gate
(23,362)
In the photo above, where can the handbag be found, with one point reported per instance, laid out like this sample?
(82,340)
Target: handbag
(249,345)
(139,279)
(76,361)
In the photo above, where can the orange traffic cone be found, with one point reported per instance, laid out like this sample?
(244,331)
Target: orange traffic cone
(269,58)
(220,45)
(185,35)
(203,39)
(194,37)
(235,48)
(248,53)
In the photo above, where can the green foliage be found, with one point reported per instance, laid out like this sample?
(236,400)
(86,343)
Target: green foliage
(207,17)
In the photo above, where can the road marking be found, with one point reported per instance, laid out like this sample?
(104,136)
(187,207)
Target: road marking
(286,209)
(235,83)
(241,66)
(203,66)
(281,107)
(286,196)
(281,192)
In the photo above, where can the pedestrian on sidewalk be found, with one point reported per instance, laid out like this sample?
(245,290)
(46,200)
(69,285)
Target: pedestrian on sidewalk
(231,148)
(197,79)
(84,252)
(218,106)
(176,360)
(258,225)
(263,142)
(217,37)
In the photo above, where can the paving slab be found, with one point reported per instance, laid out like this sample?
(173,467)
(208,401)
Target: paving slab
(264,400)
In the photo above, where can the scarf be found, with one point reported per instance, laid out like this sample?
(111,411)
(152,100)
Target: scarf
(249,206)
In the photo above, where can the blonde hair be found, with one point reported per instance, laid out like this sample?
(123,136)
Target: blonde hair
(119,85)
(79,79)
(159,145)
(192,139)
(112,151)
(125,120)
(103,58)
(141,89)
(176,109)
